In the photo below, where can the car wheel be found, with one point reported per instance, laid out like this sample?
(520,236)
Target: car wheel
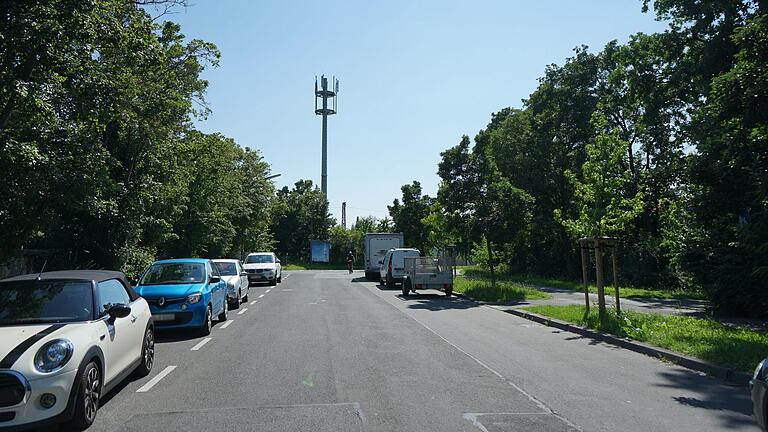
(223,315)
(237,300)
(147,354)
(280,278)
(245,298)
(87,399)
(273,282)
(205,330)
(390,281)
(448,292)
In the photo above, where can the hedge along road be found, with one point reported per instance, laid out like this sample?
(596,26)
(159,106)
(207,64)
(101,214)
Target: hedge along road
(328,351)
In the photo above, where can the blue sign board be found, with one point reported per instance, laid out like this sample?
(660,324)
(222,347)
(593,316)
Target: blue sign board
(320,251)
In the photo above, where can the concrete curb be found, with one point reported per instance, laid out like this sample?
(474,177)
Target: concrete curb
(730,376)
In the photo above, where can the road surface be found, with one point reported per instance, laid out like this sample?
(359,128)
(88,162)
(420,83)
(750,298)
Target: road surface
(329,351)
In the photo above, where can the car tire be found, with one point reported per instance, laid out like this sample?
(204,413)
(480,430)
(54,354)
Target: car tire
(280,278)
(406,287)
(87,398)
(273,282)
(390,281)
(449,292)
(225,313)
(237,300)
(205,330)
(245,298)
(147,354)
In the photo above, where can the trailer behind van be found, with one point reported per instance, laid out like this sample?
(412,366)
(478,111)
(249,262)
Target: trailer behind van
(375,247)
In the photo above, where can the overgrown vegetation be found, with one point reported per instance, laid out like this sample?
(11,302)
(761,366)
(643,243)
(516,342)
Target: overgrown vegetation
(479,287)
(737,348)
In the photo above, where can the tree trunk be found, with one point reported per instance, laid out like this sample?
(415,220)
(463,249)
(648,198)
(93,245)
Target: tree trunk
(490,262)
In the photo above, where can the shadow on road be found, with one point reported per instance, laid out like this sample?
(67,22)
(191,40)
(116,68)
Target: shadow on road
(437,302)
(734,404)
(176,335)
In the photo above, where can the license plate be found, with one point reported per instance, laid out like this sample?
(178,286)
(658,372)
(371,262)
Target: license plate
(163,317)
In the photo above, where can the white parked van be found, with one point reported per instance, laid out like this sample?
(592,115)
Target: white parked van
(393,266)
(375,246)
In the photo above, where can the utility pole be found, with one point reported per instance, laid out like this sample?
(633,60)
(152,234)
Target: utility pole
(344,214)
(323,94)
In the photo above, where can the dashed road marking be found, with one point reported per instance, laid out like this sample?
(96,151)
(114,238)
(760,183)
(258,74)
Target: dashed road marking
(268,290)
(242,311)
(261,296)
(227,324)
(254,302)
(200,344)
(148,386)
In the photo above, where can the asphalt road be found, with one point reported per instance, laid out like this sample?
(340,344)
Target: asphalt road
(328,351)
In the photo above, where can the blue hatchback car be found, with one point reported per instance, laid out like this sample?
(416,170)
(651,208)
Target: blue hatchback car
(184,293)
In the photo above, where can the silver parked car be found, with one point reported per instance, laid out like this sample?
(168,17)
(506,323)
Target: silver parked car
(232,272)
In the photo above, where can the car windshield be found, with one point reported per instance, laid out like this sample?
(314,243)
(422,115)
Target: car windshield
(174,273)
(259,259)
(33,302)
(227,268)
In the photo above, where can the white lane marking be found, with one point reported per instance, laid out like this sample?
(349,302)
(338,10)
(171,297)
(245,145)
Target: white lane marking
(254,302)
(261,296)
(242,311)
(227,324)
(148,386)
(200,344)
(268,290)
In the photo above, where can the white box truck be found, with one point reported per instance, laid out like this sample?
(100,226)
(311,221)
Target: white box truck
(375,247)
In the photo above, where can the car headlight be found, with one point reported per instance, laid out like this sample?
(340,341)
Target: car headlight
(194,298)
(758,369)
(53,355)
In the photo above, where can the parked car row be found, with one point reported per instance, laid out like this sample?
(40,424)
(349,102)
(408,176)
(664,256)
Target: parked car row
(68,337)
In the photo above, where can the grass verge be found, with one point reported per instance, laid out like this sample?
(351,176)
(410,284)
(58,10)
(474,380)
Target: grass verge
(315,266)
(624,292)
(481,289)
(708,340)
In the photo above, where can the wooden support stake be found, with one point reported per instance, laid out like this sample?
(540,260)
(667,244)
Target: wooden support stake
(584,276)
(599,278)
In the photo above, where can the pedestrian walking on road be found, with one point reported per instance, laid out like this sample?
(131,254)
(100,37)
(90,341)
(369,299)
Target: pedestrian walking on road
(350,260)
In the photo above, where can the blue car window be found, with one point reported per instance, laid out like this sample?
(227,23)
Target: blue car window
(174,273)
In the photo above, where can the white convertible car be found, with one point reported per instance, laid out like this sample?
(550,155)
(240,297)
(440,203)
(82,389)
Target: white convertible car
(66,339)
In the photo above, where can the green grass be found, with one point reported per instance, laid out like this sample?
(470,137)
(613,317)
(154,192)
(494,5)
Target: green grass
(481,289)
(315,266)
(709,340)
(624,292)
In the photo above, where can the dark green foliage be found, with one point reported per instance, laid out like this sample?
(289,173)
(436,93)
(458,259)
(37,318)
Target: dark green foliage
(98,158)
(408,216)
(299,215)
(661,142)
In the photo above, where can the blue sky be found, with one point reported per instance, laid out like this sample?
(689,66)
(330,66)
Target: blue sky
(415,76)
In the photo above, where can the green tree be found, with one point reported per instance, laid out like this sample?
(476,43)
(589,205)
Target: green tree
(408,215)
(298,216)
(604,192)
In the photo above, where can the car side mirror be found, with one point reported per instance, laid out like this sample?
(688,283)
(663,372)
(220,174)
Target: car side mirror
(118,311)
(278,261)
(243,273)
(214,279)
